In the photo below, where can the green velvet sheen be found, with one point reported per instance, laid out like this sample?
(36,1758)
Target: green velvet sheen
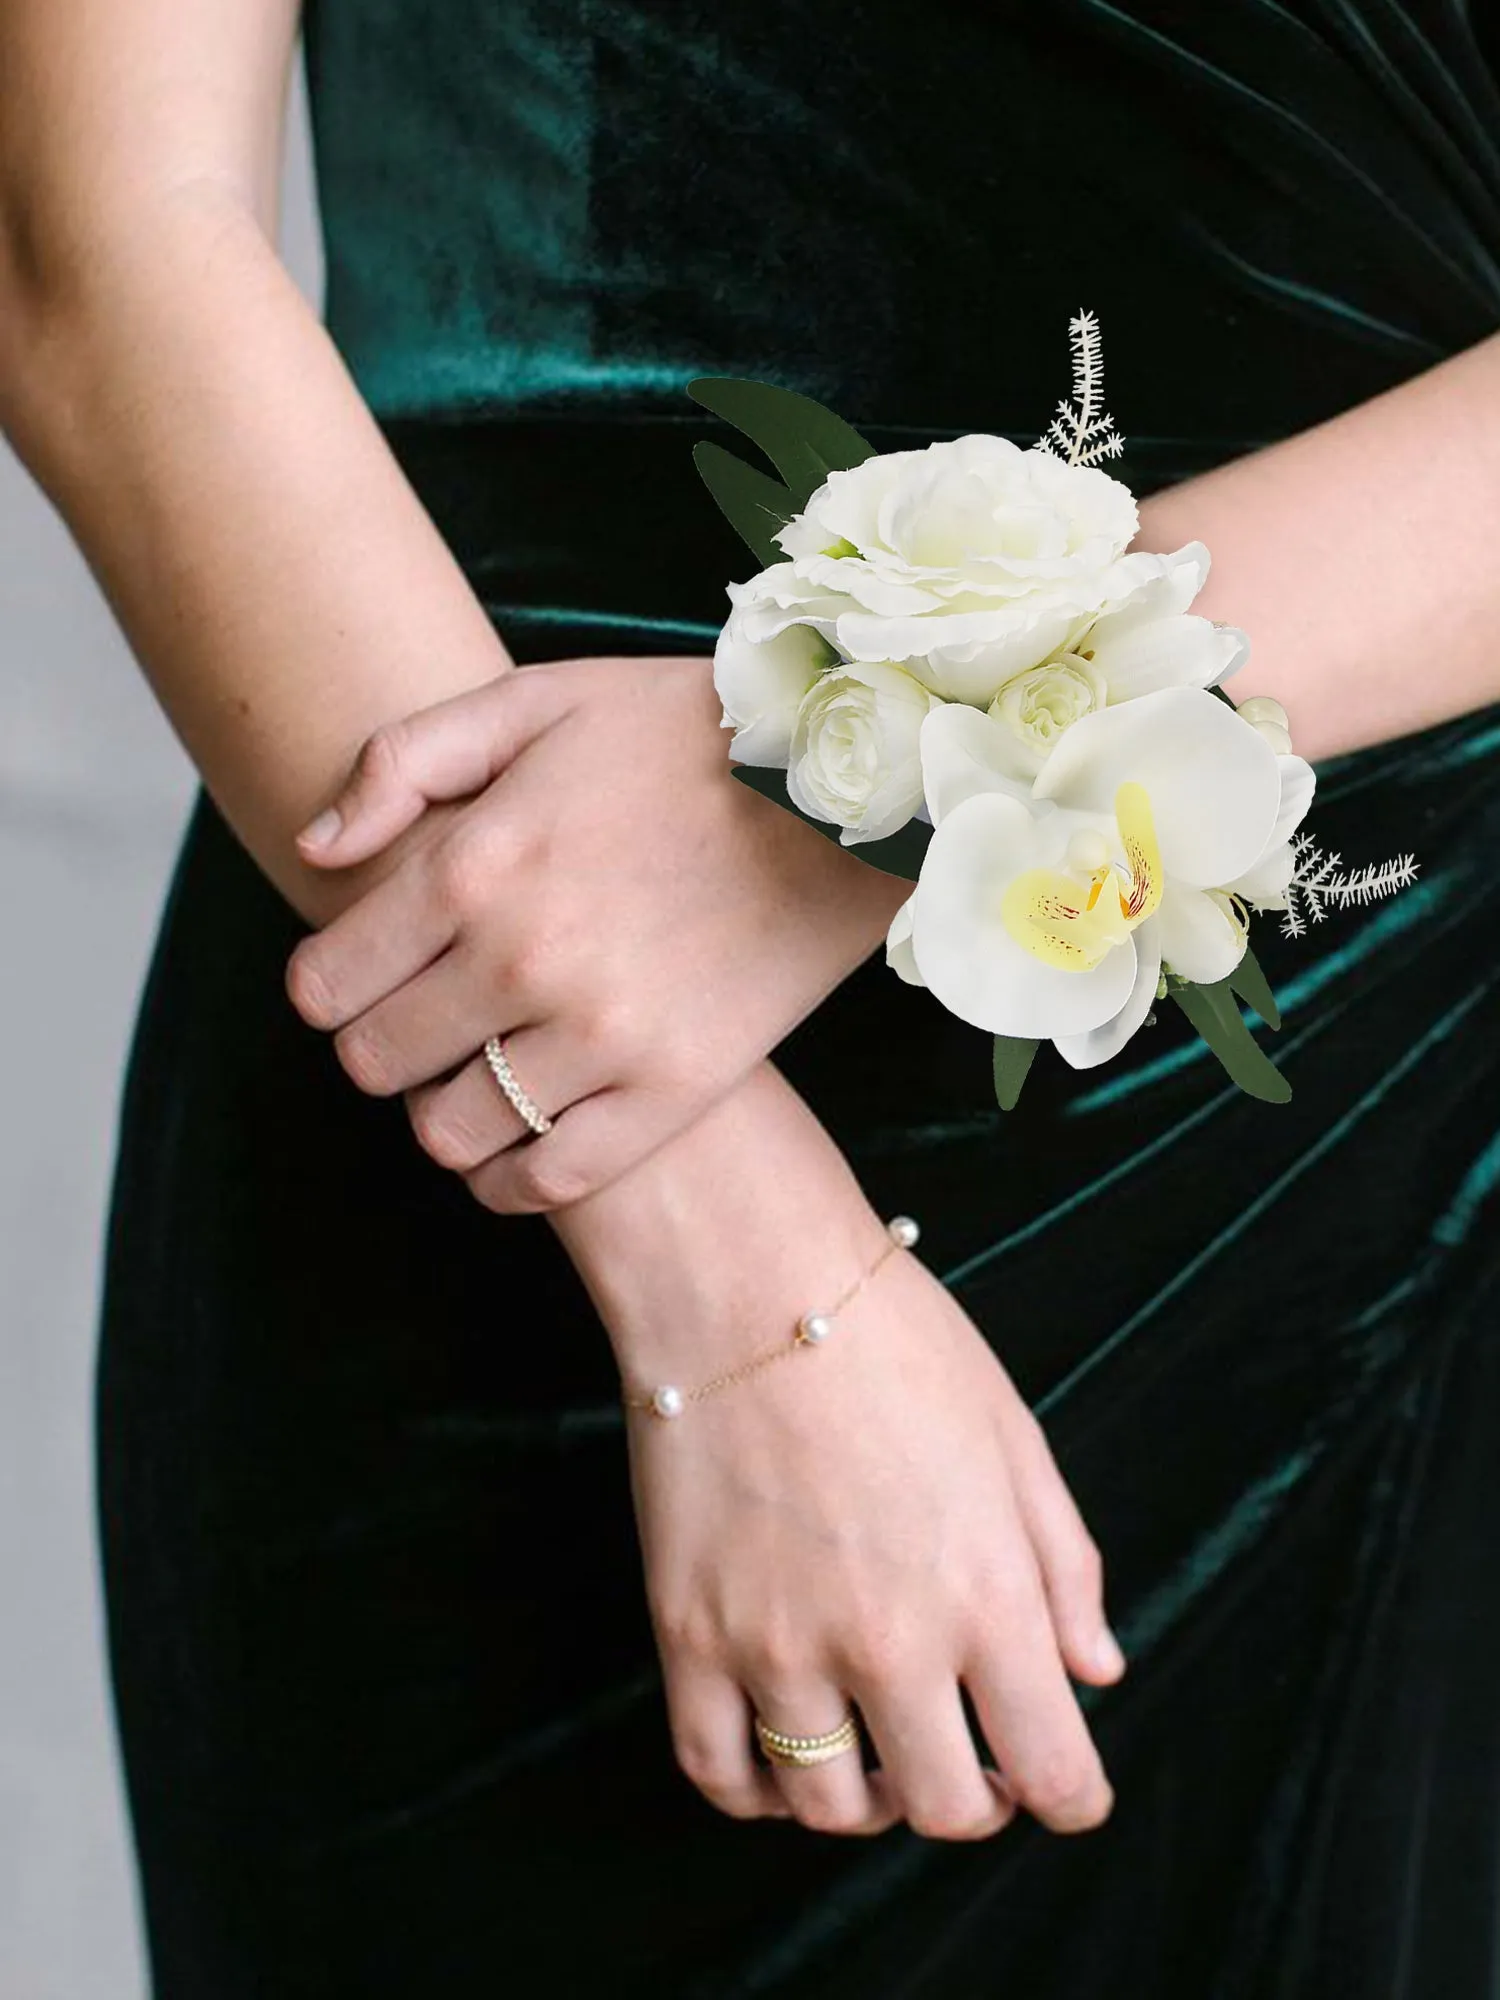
(388,1698)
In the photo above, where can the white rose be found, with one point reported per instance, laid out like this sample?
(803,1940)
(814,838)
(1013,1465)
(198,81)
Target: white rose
(856,749)
(1038,705)
(761,684)
(967,562)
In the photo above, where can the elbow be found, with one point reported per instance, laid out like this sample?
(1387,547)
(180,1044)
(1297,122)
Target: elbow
(42,275)
(74,264)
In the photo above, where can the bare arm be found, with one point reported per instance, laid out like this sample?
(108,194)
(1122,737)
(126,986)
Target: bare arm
(1360,557)
(291,600)
(167,384)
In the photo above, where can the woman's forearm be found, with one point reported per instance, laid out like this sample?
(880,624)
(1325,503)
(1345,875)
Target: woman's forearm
(287,594)
(280,582)
(1360,557)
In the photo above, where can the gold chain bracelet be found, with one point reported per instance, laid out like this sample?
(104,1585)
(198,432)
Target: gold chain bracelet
(669,1400)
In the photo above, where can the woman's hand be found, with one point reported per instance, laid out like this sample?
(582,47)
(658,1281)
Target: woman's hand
(639,925)
(877,1519)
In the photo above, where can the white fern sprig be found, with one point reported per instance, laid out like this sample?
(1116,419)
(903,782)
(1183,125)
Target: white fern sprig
(1318,881)
(1082,432)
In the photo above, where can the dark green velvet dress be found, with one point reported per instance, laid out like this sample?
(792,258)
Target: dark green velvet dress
(390,1713)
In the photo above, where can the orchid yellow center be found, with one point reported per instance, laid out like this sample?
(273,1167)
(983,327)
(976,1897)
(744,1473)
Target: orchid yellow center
(1073,920)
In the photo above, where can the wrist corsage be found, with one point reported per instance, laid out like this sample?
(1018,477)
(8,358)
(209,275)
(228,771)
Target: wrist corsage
(952,657)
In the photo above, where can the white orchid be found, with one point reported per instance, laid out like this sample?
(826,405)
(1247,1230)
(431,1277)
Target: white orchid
(1049,911)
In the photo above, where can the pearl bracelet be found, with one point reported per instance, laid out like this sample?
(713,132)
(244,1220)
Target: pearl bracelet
(668,1400)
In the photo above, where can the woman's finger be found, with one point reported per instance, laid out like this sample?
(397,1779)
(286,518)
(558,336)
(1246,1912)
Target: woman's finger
(1029,1712)
(594,1142)
(449,751)
(928,1757)
(421,1031)
(400,924)
(465,1120)
(1071,1567)
(710,1723)
(833,1797)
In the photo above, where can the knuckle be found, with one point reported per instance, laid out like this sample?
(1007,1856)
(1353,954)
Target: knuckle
(689,1633)
(775,1661)
(1066,1791)
(877,1657)
(364,1061)
(952,1819)
(1005,1600)
(704,1764)
(545,1182)
(826,1812)
(493,1186)
(464,869)
(382,754)
(529,967)
(734,1801)
(307,987)
(607,1031)
(444,1136)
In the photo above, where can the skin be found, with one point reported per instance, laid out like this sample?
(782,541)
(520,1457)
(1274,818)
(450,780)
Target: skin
(662,926)
(291,602)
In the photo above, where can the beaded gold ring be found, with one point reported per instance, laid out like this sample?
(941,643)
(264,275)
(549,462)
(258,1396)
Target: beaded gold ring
(801,1752)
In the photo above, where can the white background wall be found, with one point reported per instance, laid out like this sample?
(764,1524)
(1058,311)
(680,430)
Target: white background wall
(93,794)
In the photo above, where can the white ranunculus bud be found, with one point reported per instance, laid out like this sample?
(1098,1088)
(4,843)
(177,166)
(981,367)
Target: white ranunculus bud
(1270,719)
(1038,705)
(761,684)
(855,753)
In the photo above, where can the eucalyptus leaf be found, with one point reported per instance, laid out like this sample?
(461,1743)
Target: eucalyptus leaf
(900,853)
(1252,986)
(804,441)
(1012,1065)
(1215,1014)
(754,504)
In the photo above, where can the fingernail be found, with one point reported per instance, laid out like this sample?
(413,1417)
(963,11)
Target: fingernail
(1107,1653)
(322,830)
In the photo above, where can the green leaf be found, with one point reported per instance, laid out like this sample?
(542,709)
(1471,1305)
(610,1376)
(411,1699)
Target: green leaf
(900,853)
(1214,1013)
(1252,986)
(803,441)
(1012,1065)
(754,504)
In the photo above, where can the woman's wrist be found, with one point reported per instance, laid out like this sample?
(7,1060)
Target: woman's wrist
(705,1250)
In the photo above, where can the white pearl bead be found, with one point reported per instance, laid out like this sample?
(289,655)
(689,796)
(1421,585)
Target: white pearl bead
(904,1231)
(1277,735)
(814,1327)
(667,1400)
(1260,708)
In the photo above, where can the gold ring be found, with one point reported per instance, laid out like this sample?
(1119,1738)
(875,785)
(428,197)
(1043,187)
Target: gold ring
(798,1752)
(516,1094)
